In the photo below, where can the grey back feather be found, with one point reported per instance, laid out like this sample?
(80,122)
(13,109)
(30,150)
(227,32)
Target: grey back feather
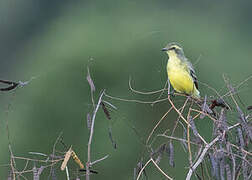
(190,69)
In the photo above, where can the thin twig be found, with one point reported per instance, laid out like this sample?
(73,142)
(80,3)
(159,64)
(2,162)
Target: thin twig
(38,160)
(179,113)
(151,160)
(135,100)
(168,177)
(188,138)
(53,153)
(160,95)
(98,160)
(140,172)
(12,163)
(92,87)
(144,93)
(176,123)
(67,173)
(176,138)
(236,87)
(202,112)
(91,136)
(201,158)
(152,131)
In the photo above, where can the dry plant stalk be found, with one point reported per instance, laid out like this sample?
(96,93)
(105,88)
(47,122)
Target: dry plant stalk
(89,163)
(228,159)
(227,153)
(77,159)
(66,159)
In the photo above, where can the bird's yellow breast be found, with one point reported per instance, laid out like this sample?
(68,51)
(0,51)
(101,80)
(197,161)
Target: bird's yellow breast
(179,75)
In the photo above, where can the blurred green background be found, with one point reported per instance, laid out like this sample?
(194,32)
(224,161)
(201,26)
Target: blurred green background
(53,42)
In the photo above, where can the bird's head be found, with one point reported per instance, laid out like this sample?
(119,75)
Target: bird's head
(173,49)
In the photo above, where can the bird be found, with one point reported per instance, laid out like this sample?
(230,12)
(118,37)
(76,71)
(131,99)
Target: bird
(180,71)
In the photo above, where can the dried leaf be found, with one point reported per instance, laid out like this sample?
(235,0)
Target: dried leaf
(222,168)
(76,159)
(158,159)
(203,108)
(185,145)
(66,159)
(245,127)
(223,119)
(53,173)
(228,172)
(111,138)
(194,129)
(245,170)
(219,103)
(89,121)
(138,169)
(90,81)
(240,137)
(214,165)
(105,110)
(160,151)
(249,107)
(37,172)
(171,156)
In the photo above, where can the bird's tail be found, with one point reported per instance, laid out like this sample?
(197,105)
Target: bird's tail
(196,93)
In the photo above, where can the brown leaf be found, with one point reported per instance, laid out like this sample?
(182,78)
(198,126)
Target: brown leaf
(90,81)
(66,159)
(111,139)
(105,110)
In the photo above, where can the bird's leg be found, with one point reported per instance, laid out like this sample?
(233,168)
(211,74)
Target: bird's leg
(172,93)
(169,88)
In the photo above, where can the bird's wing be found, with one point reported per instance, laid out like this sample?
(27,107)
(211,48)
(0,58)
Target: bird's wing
(190,70)
(192,73)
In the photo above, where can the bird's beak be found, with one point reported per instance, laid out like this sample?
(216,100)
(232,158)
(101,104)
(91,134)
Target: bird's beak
(164,49)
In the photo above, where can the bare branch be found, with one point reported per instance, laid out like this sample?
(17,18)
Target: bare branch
(91,135)
(200,159)
(98,160)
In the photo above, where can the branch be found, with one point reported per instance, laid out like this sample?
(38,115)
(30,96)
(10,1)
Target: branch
(207,147)
(88,164)
(98,160)
(151,160)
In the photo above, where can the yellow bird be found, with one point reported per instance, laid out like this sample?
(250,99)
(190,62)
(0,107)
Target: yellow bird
(180,71)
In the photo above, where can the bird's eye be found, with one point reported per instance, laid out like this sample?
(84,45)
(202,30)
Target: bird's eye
(172,48)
